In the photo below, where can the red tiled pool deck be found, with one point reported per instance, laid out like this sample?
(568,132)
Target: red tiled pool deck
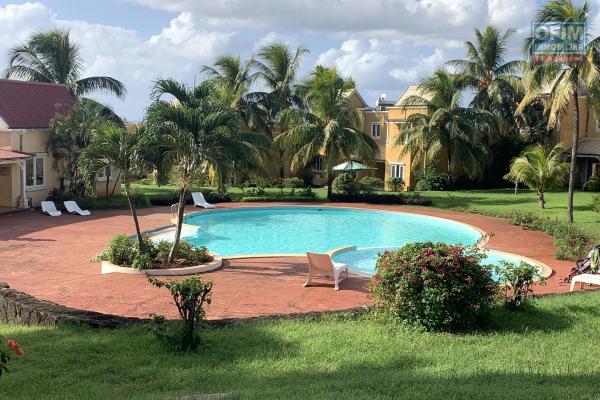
(49,258)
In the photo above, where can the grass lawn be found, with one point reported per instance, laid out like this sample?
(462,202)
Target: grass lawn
(505,201)
(546,353)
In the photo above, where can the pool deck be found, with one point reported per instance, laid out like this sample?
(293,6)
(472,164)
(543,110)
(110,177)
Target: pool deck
(50,258)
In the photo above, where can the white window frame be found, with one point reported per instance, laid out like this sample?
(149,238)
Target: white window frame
(373,125)
(101,175)
(35,160)
(318,163)
(397,170)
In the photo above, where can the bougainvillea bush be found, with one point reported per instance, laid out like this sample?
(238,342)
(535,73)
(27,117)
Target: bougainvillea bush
(434,286)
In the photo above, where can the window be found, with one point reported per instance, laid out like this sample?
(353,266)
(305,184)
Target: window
(104,173)
(376,130)
(34,172)
(317,164)
(397,170)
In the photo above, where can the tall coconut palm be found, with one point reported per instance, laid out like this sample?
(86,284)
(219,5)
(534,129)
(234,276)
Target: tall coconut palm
(197,131)
(277,66)
(489,75)
(114,146)
(462,132)
(565,82)
(417,139)
(539,169)
(330,127)
(53,58)
(233,78)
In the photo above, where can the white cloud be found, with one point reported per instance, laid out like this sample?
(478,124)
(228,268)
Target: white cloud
(421,67)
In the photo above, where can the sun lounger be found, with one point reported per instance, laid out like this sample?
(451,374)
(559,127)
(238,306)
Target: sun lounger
(74,208)
(49,208)
(200,201)
(322,264)
(592,279)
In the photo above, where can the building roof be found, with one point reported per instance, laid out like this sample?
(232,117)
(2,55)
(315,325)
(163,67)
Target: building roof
(412,90)
(587,146)
(13,155)
(33,105)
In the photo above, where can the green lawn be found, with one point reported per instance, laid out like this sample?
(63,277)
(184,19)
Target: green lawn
(505,201)
(548,353)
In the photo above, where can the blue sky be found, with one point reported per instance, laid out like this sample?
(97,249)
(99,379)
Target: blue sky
(385,45)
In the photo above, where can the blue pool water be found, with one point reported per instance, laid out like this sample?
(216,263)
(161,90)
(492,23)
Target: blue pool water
(363,259)
(296,230)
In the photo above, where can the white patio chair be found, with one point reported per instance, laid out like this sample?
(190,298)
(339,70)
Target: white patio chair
(593,279)
(200,201)
(49,208)
(322,264)
(74,208)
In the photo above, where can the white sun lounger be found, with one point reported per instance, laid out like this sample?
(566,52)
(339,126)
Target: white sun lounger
(48,207)
(200,201)
(74,208)
(593,279)
(322,264)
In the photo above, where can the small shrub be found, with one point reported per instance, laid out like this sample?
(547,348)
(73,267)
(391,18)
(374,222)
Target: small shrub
(120,251)
(293,182)
(345,184)
(193,255)
(189,295)
(596,203)
(396,184)
(518,280)
(371,183)
(434,286)
(592,185)
(142,261)
(139,198)
(430,179)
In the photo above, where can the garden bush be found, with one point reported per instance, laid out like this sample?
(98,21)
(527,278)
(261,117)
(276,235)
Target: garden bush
(5,354)
(396,184)
(517,281)
(592,185)
(571,243)
(383,198)
(430,179)
(293,182)
(189,295)
(371,183)
(345,184)
(124,252)
(434,286)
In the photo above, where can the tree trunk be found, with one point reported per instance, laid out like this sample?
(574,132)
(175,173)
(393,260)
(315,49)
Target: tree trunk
(573,157)
(329,184)
(541,200)
(138,232)
(112,193)
(180,212)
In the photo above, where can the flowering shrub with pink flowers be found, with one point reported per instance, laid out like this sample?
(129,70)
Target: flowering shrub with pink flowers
(434,286)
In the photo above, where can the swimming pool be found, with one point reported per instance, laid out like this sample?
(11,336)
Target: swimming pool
(298,229)
(363,260)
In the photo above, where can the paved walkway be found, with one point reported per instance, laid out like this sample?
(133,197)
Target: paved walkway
(50,258)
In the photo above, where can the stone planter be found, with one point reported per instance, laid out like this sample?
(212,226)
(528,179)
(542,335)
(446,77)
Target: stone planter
(109,268)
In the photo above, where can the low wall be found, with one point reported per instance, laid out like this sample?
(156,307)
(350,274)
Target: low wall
(20,308)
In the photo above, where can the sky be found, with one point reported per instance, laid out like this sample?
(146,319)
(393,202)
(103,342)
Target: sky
(384,45)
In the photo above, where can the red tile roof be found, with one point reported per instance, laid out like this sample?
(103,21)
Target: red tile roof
(13,155)
(32,105)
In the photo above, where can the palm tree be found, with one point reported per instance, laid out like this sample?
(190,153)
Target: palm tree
(51,57)
(71,133)
(539,169)
(463,132)
(485,71)
(114,146)
(417,139)
(330,126)
(566,82)
(233,78)
(277,67)
(198,131)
